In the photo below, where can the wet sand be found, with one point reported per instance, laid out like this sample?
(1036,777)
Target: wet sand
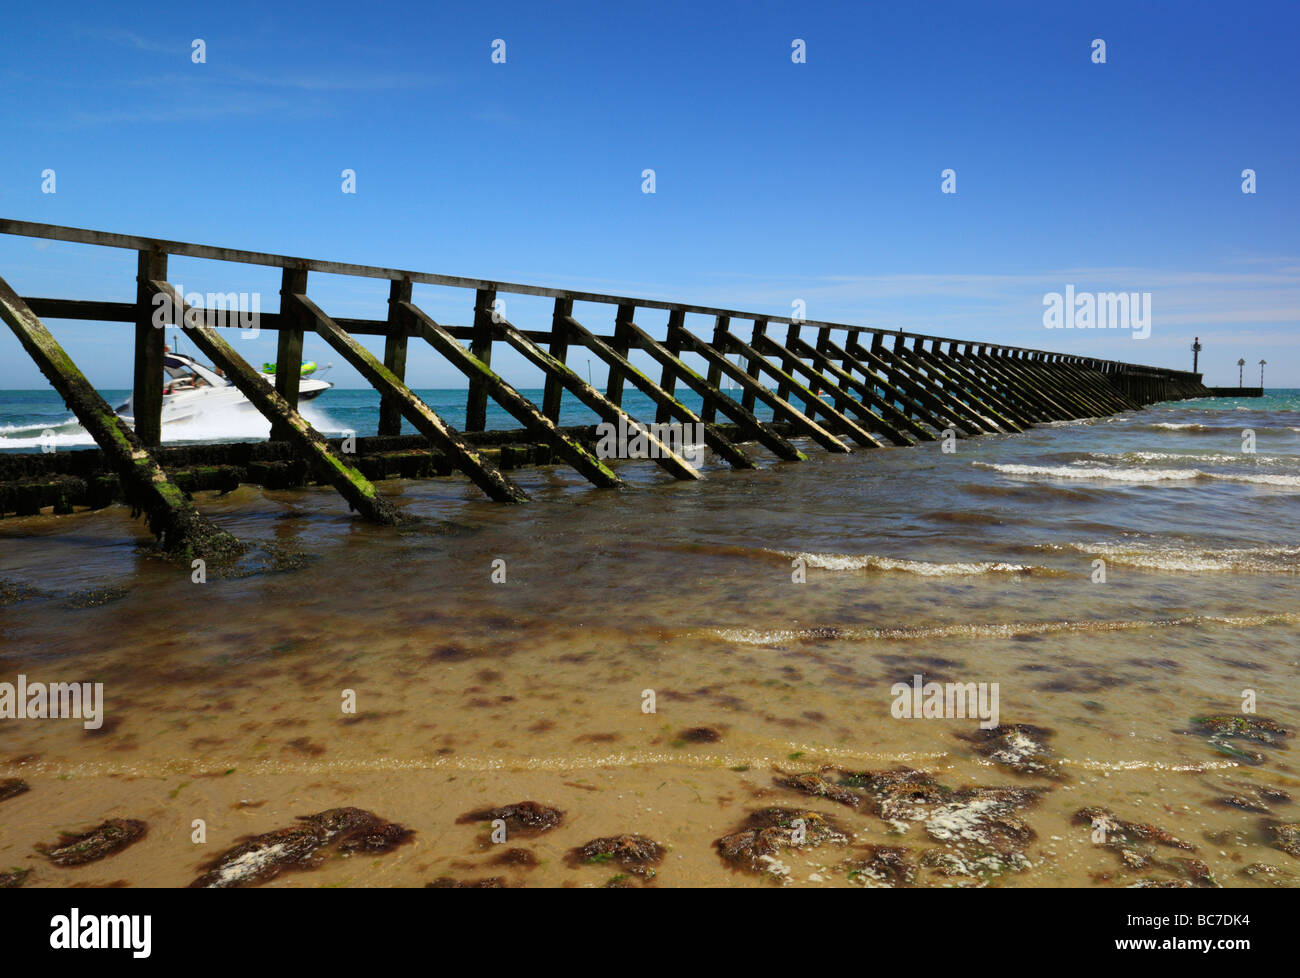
(224,699)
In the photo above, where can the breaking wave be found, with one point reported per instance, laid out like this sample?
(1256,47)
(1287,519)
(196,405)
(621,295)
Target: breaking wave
(1136,475)
(922,568)
(1259,560)
(996,630)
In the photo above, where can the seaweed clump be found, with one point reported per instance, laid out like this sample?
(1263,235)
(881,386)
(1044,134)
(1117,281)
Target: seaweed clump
(14,879)
(1020,747)
(819,787)
(1118,833)
(516,857)
(77,849)
(12,788)
(883,865)
(522,818)
(754,845)
(1134,843)
(1285,836)
(635,853)
(304,846)
(699,735)
(448,883)
(1225,727)
(900,795)
(1251,797)
(982,831)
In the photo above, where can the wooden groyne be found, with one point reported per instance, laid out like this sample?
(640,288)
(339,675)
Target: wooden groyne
(1236,392)
(840,387)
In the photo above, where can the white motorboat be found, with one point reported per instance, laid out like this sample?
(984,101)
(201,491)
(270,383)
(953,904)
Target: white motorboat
(191,389)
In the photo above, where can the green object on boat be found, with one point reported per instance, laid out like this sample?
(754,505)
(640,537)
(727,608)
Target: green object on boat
(308,366)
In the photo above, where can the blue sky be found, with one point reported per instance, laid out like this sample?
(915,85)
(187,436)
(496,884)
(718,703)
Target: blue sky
(775,181)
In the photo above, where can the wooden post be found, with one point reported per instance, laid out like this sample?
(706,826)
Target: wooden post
(714,375)
(715,439)
(661,453)
(351,484)
(751,365)
(390,405)
(805,425)
(443,436)
(480,347)
(668,356)
(542,427)
(553,395)
(668,378)
(171,516)
(614,391)
(288,347)
(902,428)
(147,392)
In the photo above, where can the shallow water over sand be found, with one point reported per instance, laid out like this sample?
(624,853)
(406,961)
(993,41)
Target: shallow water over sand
(223,699)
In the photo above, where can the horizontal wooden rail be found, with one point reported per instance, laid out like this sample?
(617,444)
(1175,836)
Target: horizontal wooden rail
(187,249)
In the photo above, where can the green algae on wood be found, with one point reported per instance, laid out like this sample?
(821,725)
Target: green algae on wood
(351,484)
(482,377)
(443,436)
(171,516)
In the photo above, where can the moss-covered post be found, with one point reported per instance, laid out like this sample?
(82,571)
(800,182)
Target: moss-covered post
(150,340)
(481,348)
(444,437)
(390,407)
(668,378)
(661,453)
(621,346)
(171,516)
(553,395)
(714,375)
(539,425)
(288,349)
(351,484)
(752,365)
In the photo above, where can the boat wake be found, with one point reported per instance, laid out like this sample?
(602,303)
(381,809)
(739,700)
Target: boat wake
(229,424)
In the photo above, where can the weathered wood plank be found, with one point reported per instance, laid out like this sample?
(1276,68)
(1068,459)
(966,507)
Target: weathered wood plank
(605,409)
(480,347)
(664,353)
(527,413)
(171,516)
(553,393)
(147,392)
(715,439)
(785,409)
(351,484)
(482,473)
(395,344)
(288,347)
